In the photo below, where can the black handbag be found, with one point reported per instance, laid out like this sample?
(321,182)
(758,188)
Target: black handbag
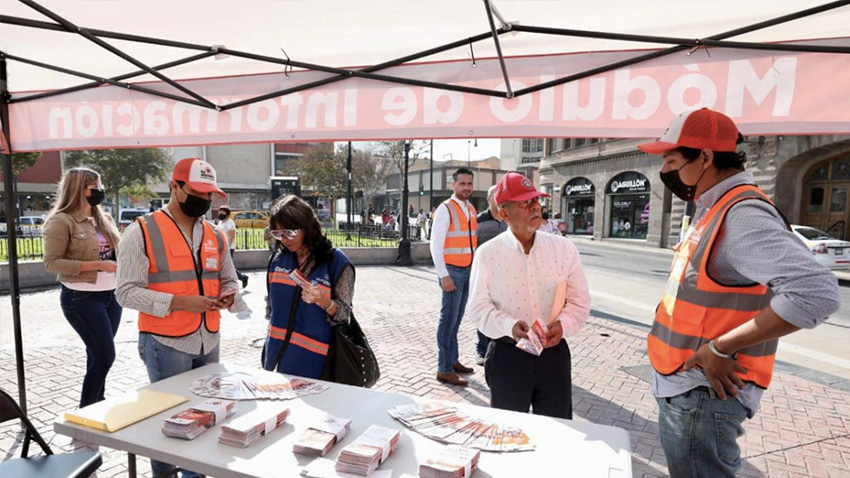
(350,359)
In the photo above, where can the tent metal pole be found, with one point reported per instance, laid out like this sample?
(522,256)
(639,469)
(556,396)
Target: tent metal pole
(691,42)
(363,74)
(510,90)
(97,41)
(380,66)
(676,49)
(11,233)
(107,80)
(28,22)
(340,74)
(125,76)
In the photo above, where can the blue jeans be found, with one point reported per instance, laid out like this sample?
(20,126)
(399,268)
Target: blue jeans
(481,346)
(699,433)
(95,316)
(163,362)
(451,313)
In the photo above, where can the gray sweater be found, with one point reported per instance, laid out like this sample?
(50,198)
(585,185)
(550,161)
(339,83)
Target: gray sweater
(489,227)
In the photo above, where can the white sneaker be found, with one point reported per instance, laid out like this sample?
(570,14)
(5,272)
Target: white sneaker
(479,360)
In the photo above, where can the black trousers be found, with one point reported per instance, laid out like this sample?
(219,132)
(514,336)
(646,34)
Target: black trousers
(519,380)
(239,275)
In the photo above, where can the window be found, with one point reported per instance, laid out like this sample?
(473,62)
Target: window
(532,145)
(816,199)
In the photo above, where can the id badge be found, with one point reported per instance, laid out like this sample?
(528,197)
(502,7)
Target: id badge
(212,263)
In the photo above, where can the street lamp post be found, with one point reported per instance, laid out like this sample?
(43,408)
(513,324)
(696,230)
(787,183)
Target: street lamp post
(404,258)
(431,188)
(348,196)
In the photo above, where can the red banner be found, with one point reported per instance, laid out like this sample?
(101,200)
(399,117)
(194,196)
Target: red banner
(764,92)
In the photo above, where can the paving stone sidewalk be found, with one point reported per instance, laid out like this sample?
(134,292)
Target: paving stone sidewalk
(803,428)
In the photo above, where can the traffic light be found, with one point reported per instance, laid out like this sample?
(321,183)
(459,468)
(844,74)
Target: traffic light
(421,189)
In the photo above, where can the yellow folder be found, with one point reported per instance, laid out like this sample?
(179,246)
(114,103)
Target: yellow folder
(116,413)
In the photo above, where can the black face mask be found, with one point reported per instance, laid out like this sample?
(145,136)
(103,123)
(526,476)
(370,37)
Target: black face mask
(195,206)
(97,197)
(222,216)
(674,183)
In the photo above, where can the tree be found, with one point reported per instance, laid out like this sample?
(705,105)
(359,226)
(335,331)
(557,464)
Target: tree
(394,152)
(23,161)
(322,169)
(124,171)
(370,172)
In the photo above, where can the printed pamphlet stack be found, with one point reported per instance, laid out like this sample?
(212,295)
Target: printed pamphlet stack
(453,461)
(251,386)
(192,422)
(244,431)
(448,425)
(536,340)
(322,436)
(368,451)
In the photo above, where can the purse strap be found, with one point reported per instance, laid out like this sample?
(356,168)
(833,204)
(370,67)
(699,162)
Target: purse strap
(293,309)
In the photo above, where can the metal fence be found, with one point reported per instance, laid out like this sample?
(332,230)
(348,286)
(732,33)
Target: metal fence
(30,246)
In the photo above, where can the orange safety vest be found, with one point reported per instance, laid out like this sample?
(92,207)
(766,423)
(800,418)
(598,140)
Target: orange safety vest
(696,308)
(174,270)
(461,238)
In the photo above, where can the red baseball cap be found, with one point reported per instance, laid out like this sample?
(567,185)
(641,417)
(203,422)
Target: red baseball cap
(698,129)
(198,174)
(514,187)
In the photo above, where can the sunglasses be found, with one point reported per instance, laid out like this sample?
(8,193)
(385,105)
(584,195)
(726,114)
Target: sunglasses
(527,203)
(281,234)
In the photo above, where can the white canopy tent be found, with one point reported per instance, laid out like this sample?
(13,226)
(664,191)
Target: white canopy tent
(284,70)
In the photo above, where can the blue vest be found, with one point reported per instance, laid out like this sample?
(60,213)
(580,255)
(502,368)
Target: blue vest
(307,351)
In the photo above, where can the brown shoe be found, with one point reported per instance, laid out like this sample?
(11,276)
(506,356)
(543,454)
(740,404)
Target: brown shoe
(451,379)
(460,368)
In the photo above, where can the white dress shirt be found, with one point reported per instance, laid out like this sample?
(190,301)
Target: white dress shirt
(507,285)
(439,229)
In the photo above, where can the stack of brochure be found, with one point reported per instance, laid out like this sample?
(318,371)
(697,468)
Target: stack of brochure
(536,340)
(255,385)
(192,422)
(453,461)
(244,431)
(322,436)
(448,425)
(368,451)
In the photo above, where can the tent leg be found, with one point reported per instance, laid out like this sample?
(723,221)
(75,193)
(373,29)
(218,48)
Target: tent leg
(11,234)
(508,88)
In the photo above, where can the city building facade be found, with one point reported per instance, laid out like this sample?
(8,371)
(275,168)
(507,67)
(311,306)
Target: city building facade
(609,189)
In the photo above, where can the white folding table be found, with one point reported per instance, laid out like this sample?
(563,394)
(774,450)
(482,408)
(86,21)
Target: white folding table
(564,447)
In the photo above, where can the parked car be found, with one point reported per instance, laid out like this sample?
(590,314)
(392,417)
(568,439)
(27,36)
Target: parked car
(26,226)
(829,251)
(129,215)
(250,219)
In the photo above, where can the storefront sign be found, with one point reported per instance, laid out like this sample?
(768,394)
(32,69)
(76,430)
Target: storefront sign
(578,187)
(630,182)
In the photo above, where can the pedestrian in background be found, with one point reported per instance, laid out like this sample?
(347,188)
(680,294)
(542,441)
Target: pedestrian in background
(228,227)
(453,242)
(80,241)
(490,225)
(546,225)
(740,279)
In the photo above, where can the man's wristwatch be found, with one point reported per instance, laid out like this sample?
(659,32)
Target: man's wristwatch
(720,354)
